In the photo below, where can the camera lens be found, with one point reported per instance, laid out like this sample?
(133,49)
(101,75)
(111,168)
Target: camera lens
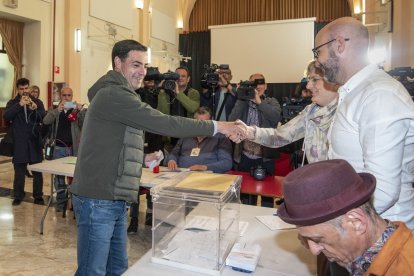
(169,85)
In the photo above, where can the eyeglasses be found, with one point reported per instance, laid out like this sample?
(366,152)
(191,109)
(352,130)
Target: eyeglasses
(66,95)
(316,49)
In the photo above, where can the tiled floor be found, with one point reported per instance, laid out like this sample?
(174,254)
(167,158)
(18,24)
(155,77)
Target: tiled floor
(23,251)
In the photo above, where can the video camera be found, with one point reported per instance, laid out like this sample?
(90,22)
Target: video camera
(293,106)
(210,77)
(169,78)
(246,89)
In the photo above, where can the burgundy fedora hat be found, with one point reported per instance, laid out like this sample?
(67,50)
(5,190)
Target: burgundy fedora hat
(321,191)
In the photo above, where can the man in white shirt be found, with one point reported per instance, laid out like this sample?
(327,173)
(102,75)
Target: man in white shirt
(373,128)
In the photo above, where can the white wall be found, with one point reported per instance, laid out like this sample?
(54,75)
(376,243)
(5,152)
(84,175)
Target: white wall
(278,49)
(97,44)
(163,36)
(37,39)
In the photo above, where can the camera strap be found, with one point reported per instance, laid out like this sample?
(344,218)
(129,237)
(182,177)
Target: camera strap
(223,104)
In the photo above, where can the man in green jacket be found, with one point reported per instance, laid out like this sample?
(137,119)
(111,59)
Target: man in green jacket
(110,158)
(331,205)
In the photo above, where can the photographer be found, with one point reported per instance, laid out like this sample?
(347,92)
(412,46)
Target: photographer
(220,99)
(183,100)
(262,111)
(25,113)
(66,120)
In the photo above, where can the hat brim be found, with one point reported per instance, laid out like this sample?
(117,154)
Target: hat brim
(320,212)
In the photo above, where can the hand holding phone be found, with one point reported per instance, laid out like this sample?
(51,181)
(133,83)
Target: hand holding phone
(69,105)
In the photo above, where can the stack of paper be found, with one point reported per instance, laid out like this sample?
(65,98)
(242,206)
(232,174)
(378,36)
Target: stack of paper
(274,222)
(244,257)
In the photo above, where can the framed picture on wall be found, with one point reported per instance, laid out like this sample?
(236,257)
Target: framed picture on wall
(53,92)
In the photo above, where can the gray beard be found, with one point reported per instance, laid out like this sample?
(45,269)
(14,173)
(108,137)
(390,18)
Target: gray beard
(331,68)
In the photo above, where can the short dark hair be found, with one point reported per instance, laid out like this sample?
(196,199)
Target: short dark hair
(202,110)
(122,48)
(184,68)
(22,82)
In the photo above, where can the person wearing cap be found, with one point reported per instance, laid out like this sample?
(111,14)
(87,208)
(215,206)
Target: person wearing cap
(331,205)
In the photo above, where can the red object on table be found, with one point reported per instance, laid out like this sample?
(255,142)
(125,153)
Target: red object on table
(271,186)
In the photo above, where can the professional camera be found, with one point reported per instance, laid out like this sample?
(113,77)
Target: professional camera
(210,78)
(169,78)
(246,89)
(293,106)
(258,172)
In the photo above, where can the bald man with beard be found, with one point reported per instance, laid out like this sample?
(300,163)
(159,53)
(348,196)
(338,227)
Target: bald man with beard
(373,128)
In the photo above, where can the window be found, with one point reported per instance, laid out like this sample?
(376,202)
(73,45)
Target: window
(6,76)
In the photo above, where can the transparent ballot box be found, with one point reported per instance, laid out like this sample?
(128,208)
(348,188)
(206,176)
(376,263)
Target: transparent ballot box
(195,221)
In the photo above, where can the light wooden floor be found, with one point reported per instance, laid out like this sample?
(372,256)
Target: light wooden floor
(23,251)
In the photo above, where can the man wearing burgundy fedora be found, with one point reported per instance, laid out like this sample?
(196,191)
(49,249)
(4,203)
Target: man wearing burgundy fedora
(331,206)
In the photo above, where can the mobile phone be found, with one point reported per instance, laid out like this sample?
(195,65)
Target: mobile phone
(69,105)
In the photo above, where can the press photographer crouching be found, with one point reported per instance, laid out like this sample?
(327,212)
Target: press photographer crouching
(218,93)
(66,120)
(255,108)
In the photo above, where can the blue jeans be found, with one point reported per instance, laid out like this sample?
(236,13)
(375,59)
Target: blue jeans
(59,180)
(102,236)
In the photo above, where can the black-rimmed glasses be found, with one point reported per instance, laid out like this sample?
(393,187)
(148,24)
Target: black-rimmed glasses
(316,49)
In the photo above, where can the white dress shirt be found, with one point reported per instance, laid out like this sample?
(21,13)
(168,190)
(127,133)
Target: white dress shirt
(373,130)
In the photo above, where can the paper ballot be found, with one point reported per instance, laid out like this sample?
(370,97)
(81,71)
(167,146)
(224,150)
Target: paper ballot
(275,223)
(244,256)
(154,163)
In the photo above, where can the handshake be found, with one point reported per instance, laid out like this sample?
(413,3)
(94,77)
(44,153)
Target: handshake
(236,131)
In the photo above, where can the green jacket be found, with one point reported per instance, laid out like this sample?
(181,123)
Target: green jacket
(111,148)
(190,102)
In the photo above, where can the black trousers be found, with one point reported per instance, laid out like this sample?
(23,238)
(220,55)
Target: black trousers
(19,178)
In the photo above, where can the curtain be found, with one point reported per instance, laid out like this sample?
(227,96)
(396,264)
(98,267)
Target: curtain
(319,26)
(218,12)
(197,46)
(12,34)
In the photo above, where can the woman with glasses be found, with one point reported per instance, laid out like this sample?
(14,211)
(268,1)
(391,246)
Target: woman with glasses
(312,123)
(34,91)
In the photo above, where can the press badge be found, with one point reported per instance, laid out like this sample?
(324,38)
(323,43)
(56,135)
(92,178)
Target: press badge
(195,152)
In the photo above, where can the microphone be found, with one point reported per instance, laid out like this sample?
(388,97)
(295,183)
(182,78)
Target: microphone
(74,114)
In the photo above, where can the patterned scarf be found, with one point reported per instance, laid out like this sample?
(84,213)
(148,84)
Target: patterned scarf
(251,149)
(361,264)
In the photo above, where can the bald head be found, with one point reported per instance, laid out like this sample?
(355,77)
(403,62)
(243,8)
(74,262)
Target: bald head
(349,27)
(66,94)
(346,50)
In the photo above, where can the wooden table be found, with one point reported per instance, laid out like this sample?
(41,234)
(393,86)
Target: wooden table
(66,166)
